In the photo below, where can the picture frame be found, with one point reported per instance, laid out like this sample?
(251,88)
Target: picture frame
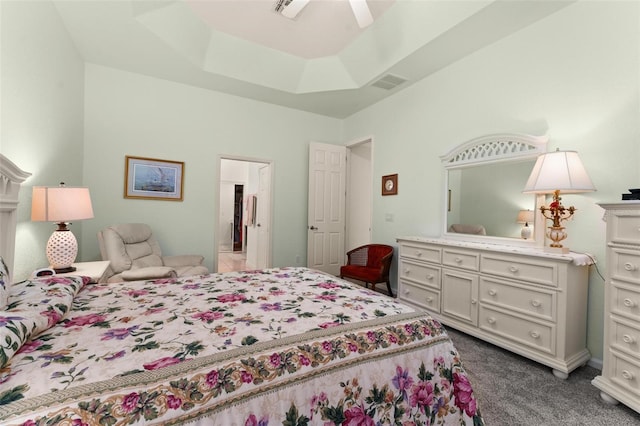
(390,184)
(153,179)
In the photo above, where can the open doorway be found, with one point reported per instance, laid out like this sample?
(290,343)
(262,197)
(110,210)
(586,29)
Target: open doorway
(243,238)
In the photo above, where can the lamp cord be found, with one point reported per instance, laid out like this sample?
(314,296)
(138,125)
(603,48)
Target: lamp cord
(595,265)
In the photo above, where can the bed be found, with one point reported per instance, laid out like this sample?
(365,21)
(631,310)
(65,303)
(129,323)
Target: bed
(288,346)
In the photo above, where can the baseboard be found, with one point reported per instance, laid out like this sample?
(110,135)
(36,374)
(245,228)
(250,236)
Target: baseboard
(595,363)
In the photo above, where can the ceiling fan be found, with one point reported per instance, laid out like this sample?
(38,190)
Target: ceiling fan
(292,8)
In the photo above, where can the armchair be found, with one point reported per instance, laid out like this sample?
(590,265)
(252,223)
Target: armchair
(135,254)
(369,263)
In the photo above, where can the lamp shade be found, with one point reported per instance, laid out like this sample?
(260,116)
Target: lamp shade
(525,216)
(559,170)
(60,204)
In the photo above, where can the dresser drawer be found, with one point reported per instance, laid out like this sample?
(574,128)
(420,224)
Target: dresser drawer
(625,264)
(420,296)
(420,252)
(523,299)
(625,300)
(625,372)
(518,268)
(625,336)
(422,273)
(625,228)
(461,259)
(534,334)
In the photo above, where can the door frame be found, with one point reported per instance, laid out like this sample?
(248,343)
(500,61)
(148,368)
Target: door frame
(217,181)
(350,145)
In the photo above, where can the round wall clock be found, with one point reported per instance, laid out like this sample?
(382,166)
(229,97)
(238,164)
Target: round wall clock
(390,184)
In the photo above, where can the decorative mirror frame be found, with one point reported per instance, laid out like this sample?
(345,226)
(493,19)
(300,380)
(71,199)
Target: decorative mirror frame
(495,148)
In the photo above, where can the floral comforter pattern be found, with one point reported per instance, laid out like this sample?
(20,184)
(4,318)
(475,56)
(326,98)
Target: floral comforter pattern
(286,346)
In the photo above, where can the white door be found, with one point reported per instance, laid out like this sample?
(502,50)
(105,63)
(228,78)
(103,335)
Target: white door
(263,217)
(326,224)
(225,221)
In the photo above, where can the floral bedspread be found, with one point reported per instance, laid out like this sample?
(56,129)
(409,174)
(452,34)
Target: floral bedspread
(286,346)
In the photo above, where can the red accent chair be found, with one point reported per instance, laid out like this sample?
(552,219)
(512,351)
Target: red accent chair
(369,263)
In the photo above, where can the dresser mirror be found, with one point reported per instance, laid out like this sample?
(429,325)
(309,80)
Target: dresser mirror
(484,179)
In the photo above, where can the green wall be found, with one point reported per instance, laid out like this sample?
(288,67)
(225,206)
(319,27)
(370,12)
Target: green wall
(574,76)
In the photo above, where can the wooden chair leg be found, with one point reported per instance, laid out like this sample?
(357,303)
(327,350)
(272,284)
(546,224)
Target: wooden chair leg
(389,289)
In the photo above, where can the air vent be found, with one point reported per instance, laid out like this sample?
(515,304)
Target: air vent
(389,82)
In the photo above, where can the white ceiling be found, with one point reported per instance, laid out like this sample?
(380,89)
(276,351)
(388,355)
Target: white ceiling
(320,62)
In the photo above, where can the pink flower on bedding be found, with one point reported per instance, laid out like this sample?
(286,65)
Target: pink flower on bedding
(329,324)
(304,360)
(421,395)
(402,381)
(30,346)
(29,423)
(328,285)
(208,316)
(52,317)
(118,333)
(78,422)
(130,402)
(329,297)
(161,363)
(246,377)
(464,394)
(275,360)
(212,378)
(173,402)
(136,293)
(85,320)
(252,420)
(271,307)
(232,297)
(356,416)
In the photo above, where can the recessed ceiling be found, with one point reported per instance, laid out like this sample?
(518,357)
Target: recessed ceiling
(320,62)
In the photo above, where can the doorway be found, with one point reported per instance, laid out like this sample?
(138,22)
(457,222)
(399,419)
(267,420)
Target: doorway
(243,240)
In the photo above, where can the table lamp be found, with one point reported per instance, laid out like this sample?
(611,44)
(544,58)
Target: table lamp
(61,205)
(553,173)
(525,217)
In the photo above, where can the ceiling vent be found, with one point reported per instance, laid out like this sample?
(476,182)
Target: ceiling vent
(389,82)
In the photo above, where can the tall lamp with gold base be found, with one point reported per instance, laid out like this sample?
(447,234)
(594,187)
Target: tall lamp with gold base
(61,205)
(553,173)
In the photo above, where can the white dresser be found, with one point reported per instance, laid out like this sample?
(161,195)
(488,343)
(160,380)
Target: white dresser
(522,299)
(620,379)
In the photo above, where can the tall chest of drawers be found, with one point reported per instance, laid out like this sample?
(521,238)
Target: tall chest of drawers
(620,378)
(522,299)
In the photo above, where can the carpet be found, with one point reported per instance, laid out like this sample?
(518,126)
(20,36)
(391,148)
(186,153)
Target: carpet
(513,390)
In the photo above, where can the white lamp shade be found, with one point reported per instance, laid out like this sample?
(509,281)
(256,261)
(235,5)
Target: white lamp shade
(60,204)
(525,216)
(559,170)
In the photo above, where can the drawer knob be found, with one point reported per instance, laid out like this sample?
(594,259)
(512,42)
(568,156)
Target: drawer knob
(430,277)
(628,339)
(407,271)
(474,301)
(491,320)
(536,303)
(513,269)
(629,303)
(429,299)
(458,260)
(627,375)
(534,334)
(492,292)
(630,267)
(418,253)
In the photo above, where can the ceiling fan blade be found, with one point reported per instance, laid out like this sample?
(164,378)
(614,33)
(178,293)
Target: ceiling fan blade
(361,12)
(293,8)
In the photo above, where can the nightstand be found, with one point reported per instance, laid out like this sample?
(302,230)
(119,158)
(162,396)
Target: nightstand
(94,270)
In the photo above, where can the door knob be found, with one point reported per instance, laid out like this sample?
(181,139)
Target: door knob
(313,228)
(258,225)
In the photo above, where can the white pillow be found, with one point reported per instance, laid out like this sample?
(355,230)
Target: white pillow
(4,283)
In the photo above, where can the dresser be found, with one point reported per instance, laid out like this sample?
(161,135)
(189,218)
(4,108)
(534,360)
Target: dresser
(620,378)
(522,299)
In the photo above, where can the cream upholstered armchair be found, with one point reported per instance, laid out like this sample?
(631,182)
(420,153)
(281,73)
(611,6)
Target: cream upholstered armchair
(135,254)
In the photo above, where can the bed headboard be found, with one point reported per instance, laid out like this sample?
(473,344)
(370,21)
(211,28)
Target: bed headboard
(11,177)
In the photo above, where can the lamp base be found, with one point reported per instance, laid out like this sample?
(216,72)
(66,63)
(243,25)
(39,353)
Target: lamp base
(62,249)
(65,270)
(557,250)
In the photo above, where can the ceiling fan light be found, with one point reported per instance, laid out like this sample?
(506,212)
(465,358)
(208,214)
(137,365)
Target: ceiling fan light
(361,12)
(293,8)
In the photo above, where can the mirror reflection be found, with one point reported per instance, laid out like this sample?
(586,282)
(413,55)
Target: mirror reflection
(486,198)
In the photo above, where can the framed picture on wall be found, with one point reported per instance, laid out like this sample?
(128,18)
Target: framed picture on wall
(390,184)
(153,179)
